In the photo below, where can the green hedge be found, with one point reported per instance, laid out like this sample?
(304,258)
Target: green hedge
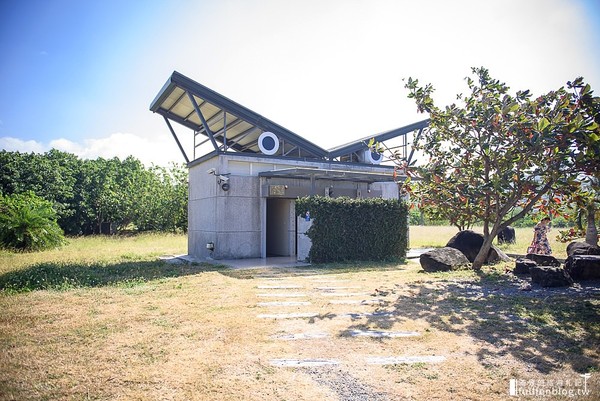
(347,229)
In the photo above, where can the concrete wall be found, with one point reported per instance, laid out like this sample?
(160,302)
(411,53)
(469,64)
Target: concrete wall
(304,243)
(231,220)
(235,221)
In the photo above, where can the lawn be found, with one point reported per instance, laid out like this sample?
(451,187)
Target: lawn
(438,236)
(104,319)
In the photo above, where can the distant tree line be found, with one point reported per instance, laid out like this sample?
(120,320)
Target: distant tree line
(101,195)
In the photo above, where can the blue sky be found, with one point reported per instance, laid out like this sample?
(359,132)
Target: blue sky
(80,75)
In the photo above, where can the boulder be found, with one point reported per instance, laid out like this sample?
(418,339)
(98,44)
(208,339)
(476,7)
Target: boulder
(548,276)
(582,248)
(523,266)
(507,236)
(583,267)
(543,260)
(469,243)
(443,259)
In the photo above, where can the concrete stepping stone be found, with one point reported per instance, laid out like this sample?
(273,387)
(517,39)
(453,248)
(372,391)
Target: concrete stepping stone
(336,288)
(284,303)
(278,287)
(283,295)
(299,363)
(300,336)
(355,315)
(383,334)
(330,281)
(397,360)
(356,301)
(297,315)
(343,294)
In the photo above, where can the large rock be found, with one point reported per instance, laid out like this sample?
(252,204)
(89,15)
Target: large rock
(543,260)
(548,276)
(583,267)
(507,236)
(582,248)
(523,266)
(443,259)
(469,243)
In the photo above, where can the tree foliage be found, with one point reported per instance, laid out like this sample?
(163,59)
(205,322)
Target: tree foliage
(496,157)
(587,157)
(89,195)
(28,223)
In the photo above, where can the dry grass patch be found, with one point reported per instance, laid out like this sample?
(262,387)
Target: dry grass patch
(146,330)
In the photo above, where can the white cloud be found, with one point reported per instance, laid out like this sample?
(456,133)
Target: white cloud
(160,151)
(19,145)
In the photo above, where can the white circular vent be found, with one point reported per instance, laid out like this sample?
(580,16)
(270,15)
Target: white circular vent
(372,157)
(268,143)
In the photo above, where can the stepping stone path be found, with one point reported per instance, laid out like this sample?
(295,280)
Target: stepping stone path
(383,334)
(313,288)
(300,336)
(284,303)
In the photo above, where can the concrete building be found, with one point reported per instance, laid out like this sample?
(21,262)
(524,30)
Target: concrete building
(242,191)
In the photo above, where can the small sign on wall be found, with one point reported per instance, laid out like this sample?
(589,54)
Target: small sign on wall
(276,190)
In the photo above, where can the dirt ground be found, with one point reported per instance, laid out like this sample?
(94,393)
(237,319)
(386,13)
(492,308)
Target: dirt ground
(220,334)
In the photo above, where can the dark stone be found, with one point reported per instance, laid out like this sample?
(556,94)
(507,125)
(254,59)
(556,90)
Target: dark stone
(583,267)
(543,260)
(469,243)
(582,248)
(507,236)
(548,276)
(443,259)
(522,266)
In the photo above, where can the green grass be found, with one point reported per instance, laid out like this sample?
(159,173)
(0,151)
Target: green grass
(95,262)
(438,236)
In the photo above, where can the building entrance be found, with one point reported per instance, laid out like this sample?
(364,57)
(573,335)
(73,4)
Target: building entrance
(281,227)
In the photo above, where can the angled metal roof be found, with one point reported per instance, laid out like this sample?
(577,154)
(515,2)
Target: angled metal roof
(231,127)
(361,144)
(227,124)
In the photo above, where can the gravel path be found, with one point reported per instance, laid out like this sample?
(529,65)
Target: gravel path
(343,384)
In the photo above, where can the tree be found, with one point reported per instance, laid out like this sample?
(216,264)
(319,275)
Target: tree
(587,160)
(28,223)
(89,194)
(496,156)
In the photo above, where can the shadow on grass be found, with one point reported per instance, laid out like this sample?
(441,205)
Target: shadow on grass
(315,269)
(64,276)
(546,329)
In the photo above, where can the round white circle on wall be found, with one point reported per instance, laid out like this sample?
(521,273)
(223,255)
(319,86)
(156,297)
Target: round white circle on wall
(268,143)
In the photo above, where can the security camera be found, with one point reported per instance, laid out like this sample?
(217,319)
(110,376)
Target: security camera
(223,178)
(212,171)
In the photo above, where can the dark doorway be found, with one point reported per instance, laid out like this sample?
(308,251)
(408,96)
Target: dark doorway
(280,227)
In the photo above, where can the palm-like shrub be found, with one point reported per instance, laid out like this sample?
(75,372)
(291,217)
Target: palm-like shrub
(28,223)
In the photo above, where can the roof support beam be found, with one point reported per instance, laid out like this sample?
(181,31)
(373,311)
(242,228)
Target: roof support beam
(177,140)
(176,101)
(204,124)
(230,125)
(224,130)
(242,135)
(412,150)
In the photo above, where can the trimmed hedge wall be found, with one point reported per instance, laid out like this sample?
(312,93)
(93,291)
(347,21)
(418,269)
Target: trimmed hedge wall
(347,229)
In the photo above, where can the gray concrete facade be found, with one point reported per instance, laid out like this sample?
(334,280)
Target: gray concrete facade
(256,216)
